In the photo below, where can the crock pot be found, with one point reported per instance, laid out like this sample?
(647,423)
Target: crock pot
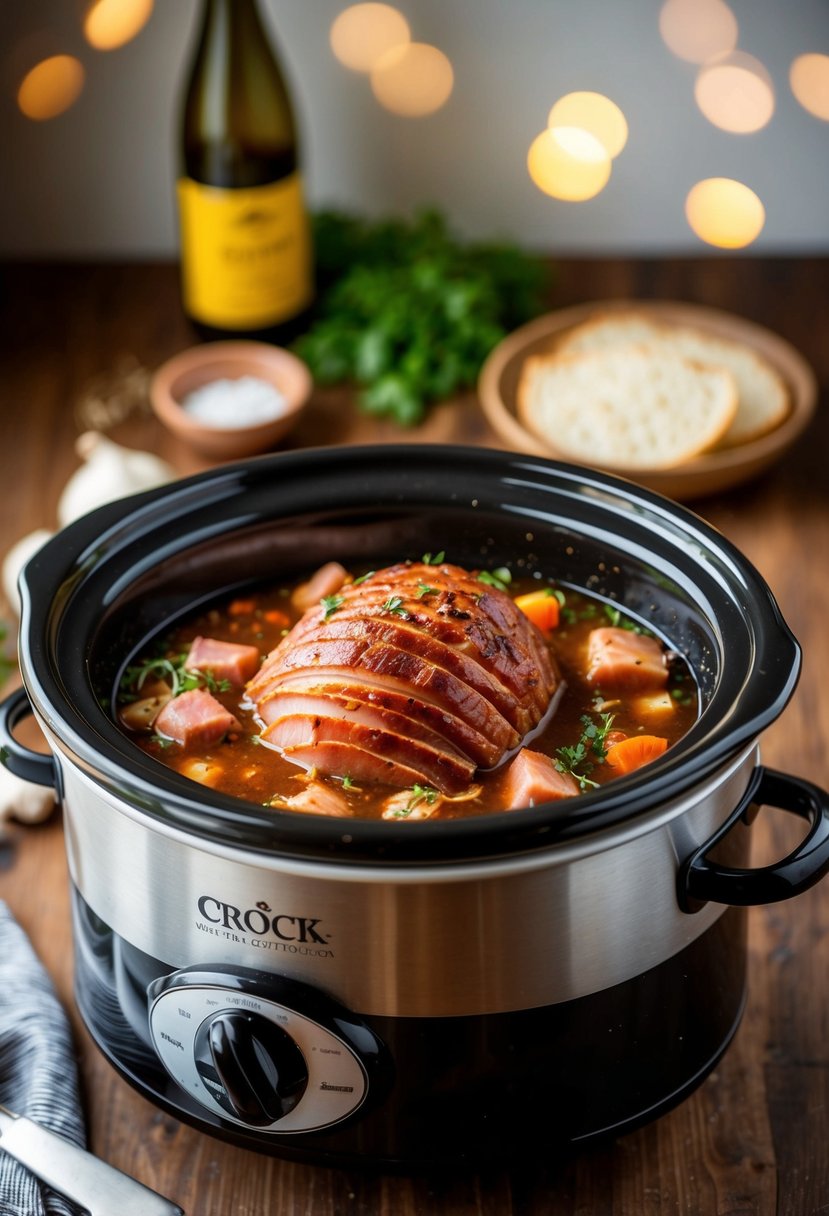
(402,993)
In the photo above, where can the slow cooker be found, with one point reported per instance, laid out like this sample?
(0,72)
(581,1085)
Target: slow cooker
(393,993)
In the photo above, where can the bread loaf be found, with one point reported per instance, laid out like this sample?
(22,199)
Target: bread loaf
(762,397)
(627,408)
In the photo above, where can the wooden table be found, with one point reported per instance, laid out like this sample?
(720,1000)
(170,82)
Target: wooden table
(753,1139)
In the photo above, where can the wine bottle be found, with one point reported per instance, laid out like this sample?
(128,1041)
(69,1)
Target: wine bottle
(246,256)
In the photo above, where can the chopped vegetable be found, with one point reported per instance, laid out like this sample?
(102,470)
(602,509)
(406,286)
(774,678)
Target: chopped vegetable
(408,312)
(542,607)
(632,753)
(433,559)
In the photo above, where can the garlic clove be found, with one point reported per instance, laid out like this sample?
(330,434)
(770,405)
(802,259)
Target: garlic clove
(16,559)
(109,471)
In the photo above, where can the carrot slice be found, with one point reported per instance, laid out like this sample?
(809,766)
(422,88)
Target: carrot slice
(541,607)
(630,754)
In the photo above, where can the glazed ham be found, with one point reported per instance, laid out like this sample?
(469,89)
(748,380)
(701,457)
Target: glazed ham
(417,674)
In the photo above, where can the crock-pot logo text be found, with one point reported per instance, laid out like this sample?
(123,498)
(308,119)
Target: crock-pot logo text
(263,928)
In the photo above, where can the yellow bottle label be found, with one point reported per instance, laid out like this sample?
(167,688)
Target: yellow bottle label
(245,254)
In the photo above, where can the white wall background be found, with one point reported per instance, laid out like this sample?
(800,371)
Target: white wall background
(97,182)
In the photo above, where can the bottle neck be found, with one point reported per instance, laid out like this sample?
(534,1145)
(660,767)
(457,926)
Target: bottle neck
(238,121)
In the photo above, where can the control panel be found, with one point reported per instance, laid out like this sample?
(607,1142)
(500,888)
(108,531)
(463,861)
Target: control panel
(261,1050)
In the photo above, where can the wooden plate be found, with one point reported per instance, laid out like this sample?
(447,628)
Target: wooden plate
(706,474)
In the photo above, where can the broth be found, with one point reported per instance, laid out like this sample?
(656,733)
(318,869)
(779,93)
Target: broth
(578,736)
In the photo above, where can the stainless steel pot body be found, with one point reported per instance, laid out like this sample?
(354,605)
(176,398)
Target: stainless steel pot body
(425,940)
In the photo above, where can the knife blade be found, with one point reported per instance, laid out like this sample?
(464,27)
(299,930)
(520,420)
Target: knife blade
(99,1188)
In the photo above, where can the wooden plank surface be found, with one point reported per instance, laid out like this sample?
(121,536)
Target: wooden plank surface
(752,1139)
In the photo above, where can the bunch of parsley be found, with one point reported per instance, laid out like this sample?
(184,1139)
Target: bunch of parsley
(408,313)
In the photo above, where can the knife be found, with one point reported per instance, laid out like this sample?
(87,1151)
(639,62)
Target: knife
(99,1188)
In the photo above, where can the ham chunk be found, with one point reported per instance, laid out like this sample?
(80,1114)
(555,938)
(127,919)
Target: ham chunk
(326,581)
(318,799)
(224,660)
(195,719)
(619,658)
(532,778)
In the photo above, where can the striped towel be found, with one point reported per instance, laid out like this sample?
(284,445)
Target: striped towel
(38,1072)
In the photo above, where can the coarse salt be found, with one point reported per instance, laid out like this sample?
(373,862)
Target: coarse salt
(230,404)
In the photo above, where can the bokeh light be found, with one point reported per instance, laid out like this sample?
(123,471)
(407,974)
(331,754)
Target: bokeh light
(413,80)
(595,113)
(696,30)
(724,213)
(363,33)
(809,78)
(735,93)
(51,87)
(568,163)
(111,23)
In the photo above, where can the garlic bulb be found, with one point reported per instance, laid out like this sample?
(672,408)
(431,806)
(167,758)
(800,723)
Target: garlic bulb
(23,800)
(16,559)
(110,471)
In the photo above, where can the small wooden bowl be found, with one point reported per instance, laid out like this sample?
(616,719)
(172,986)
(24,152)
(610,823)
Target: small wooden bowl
(200,365)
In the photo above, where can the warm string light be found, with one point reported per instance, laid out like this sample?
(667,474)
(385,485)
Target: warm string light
(697,30)
(112,23)
(809,80)
(53,85)
(724,213)
(735,93)
(410,79)
(363,33)
(571,160)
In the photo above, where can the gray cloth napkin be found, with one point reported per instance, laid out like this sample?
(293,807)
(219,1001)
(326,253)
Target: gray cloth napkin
(38,1071)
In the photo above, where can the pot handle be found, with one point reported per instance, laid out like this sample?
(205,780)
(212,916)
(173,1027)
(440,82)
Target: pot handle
(701,880)
(22,761)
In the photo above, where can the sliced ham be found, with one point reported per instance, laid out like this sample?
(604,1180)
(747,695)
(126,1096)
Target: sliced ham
(418,713)
(619,658)
(417,675)
(229,661)
(532,778)
(195,719)
(438,765)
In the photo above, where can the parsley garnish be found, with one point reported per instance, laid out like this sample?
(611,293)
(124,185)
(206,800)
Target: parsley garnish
(425,589)
(420,793)
(500,578)
(578,761)
(173,672)
(394,604)
(622,622)
(433,559)
(348,784)
(330,604)
(359,581)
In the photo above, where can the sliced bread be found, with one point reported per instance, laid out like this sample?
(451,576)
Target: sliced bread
(626,408)
(762,396)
